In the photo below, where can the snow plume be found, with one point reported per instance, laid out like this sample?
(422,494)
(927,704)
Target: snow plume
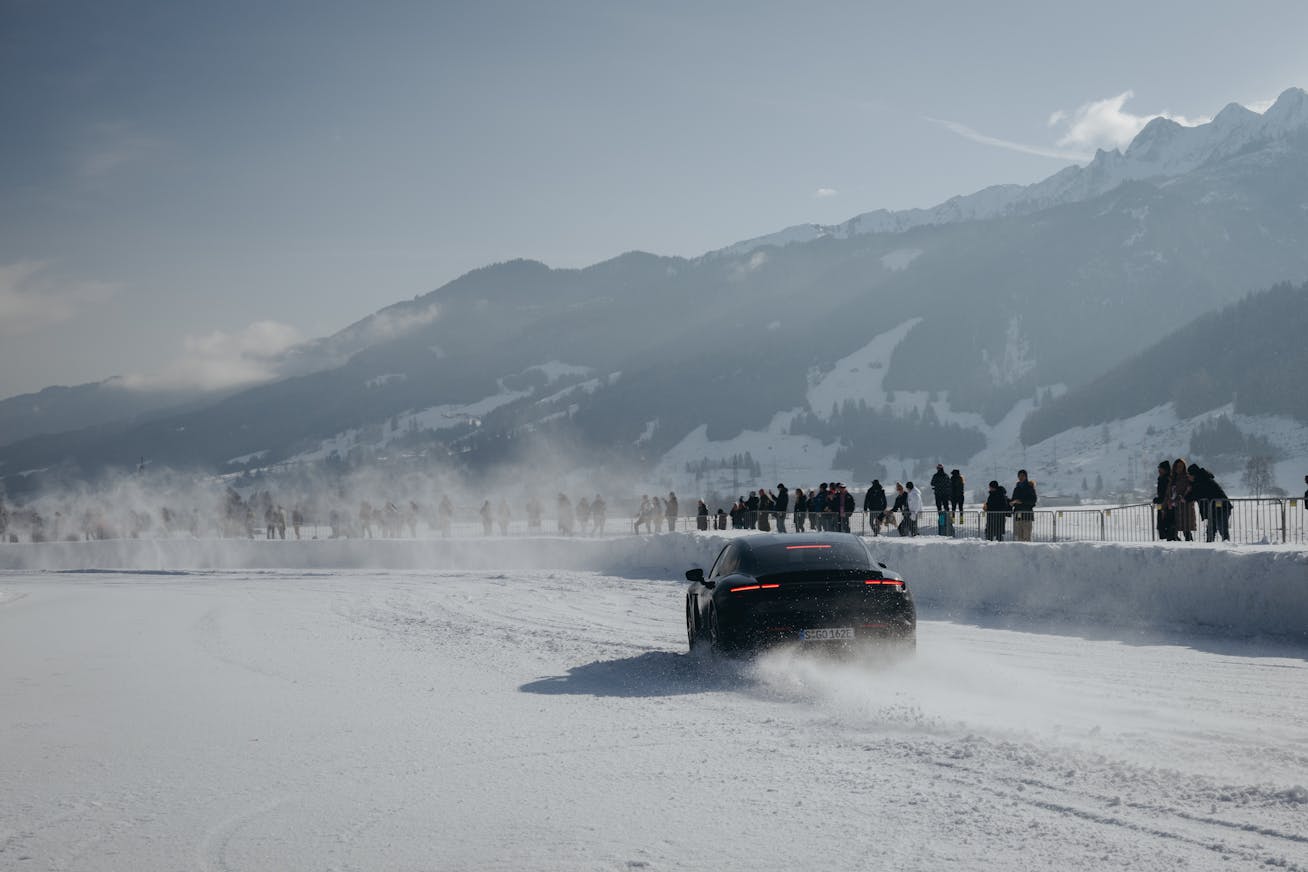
(184,508)
(221,360)
(388,324)
(1106,124)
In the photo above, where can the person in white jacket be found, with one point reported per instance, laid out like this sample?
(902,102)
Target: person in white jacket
(914,508)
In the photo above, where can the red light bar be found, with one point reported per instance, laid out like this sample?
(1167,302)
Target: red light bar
(745,587)
(766,586)
(886,581)
(804,547)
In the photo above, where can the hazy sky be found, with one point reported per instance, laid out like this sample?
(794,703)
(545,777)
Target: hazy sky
(185,185)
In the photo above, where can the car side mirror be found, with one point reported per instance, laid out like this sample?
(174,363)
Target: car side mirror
(695,575)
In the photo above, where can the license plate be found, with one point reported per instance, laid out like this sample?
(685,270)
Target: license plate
(826,634)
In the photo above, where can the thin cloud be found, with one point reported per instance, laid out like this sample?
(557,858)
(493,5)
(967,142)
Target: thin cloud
(1106,123)
(111,146)
(1040,151)
(825,192)
(218,360)
(1260,106)
(31,298)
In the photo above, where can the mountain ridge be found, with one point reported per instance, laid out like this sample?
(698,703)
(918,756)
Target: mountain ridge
(1146,156)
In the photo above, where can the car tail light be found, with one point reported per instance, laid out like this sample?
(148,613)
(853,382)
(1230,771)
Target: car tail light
(767,586)
(745,587)
(885,582)
(804,547)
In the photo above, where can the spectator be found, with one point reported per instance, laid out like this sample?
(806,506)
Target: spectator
(656,513)
(874,503)
(780,506)
(1179,500)
(598,515)
(1023,501)
(670,511)
(764,512)
(1166,527)
(566,516)
(486,520)
(644,515)
(847,507)
(899,510)
(801,509)
(956,494)
(940,488)
(583,515)
(534,512)
(702,516)
(817,508)
(1213,505)
(720,522)
(997,508)
(914,504)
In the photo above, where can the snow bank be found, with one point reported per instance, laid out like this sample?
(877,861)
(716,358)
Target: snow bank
(1237,590)
(663,556)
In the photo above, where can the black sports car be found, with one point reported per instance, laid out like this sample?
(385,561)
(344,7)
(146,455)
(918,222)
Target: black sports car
(822,589)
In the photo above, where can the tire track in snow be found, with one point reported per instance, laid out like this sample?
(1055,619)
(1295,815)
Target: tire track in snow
(211,852)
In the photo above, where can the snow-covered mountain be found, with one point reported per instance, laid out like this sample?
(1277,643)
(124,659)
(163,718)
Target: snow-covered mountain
(1162,150)
(657,362)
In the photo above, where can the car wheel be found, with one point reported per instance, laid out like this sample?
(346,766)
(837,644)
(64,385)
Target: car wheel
(717,641)
(693,635)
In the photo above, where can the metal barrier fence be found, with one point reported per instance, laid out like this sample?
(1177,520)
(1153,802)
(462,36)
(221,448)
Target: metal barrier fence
(1243,520)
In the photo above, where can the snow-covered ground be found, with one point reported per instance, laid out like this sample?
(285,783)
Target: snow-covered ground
(549,718)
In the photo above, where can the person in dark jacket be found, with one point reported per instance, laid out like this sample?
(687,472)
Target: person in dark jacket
(899,509)
(720,522)
(801,509)
(940,488)
(874,503)
(1213,505)
(956,494)
(1180,502)
(670,510)
(1166,529)
(702,516)
(997,508)
(1023,501)
(751,511)
(764,514)
(780,506)
(817,508)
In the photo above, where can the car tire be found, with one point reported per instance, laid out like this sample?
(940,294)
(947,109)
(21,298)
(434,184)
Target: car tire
(694,635)
(717,640)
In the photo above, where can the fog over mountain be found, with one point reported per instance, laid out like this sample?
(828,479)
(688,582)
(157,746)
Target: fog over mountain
(977,306)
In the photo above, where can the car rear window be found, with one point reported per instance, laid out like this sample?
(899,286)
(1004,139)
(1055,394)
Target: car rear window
(801,556)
